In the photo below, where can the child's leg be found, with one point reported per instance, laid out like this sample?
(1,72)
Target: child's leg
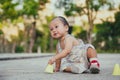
(68,69)
(91,53)
(75,68)
(94,64)
(72,69)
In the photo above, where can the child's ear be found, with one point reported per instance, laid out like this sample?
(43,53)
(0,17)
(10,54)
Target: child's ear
(67,28)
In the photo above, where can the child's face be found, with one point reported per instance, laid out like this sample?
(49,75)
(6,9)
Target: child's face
(58,29)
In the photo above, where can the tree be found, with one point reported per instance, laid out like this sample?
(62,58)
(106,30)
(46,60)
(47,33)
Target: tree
(31,8)
(10,10)
(7,12)
(107,37)
(89,8)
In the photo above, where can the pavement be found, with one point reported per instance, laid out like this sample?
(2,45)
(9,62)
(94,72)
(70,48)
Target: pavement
(32,66)
(12,56)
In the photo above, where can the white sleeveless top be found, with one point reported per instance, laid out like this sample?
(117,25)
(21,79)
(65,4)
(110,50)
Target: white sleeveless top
(77,52)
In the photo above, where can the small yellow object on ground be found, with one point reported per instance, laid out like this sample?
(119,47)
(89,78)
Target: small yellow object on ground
(49,69)
(116,70)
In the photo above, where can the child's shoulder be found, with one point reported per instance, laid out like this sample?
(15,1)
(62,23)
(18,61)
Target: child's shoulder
(69,37)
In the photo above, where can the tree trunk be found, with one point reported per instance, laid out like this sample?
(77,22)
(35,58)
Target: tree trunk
(32,37)
(90,22)
(89,33)
(51,44)
(13,47)
(1,43)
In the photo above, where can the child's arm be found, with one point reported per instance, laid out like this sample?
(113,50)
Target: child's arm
(58,62)
(64,52)
(57,65)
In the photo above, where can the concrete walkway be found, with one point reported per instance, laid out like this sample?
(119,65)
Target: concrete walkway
(33,68)
(10,56)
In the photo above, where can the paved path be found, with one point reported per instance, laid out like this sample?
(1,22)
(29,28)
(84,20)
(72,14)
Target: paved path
(33,69)
(7,56)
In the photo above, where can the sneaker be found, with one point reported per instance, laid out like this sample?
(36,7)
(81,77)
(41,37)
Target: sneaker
(94,67)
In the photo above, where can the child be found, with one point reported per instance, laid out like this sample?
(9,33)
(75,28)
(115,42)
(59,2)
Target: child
(72,54)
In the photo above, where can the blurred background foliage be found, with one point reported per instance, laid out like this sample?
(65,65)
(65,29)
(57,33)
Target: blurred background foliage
(24,24)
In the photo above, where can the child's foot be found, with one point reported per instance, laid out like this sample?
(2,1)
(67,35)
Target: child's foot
(94,67)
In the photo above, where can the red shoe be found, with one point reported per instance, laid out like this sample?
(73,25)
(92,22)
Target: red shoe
(94,67)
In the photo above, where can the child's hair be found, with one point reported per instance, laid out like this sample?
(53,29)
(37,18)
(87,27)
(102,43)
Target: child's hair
(62,19)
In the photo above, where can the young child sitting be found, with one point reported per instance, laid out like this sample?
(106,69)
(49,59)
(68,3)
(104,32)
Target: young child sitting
(72,55)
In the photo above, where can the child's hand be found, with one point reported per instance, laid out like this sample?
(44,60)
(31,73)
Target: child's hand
(56,70)
(52,60)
